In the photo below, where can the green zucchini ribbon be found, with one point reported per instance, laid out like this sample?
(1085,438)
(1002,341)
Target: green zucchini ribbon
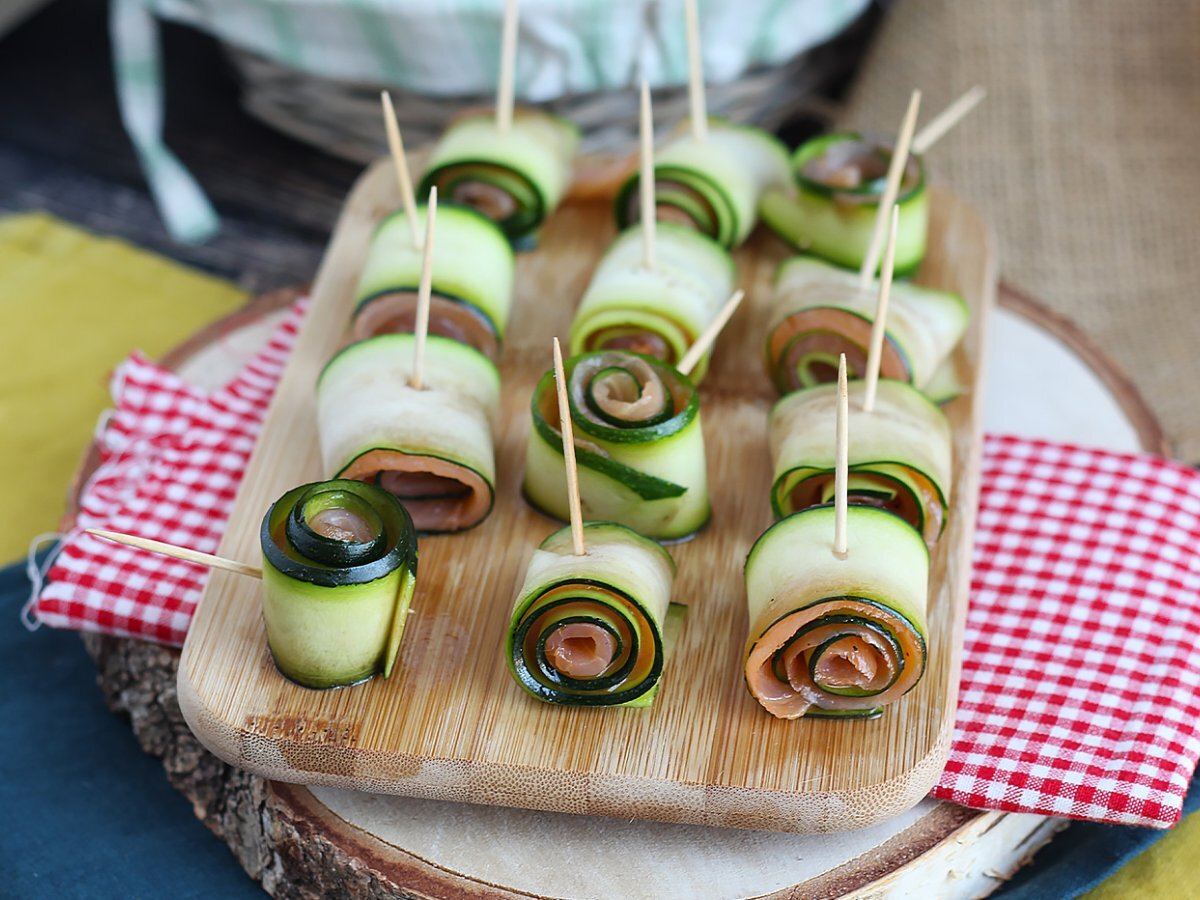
(830,636)
(514,177)
(339,567)
(588,630)
(637,442)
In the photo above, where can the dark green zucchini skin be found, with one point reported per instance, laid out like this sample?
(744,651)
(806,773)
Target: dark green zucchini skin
(530,164)
(335,609)
(622,586)
(716,183)
(835,223)
(310,557)
(650,476)
(805,602)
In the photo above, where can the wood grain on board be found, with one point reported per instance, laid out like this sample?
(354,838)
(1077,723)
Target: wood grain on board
(451,724)
(286,837)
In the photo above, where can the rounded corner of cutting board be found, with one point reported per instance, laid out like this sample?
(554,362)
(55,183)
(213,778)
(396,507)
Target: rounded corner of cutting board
(862,806)
(218,737)
(893,796)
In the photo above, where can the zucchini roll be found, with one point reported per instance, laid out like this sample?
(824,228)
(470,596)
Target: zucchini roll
(711,186)
(820,313)
(836,637)
(638,444)
(432,447)
(339,568)
(516,179)
(470,300)
(839,179)
(900,458)
(658,311)
(588,630)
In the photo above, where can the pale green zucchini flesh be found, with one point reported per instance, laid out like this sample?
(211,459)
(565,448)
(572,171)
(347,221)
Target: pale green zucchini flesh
(339,568)
(830,636)
(830,210)
(713,186)
(641,457)
(516,178)
(591,630)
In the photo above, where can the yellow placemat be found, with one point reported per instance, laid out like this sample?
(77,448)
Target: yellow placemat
(1165,871)
(74,305)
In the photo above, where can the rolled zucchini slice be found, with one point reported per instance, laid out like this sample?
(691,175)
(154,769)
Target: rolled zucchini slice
(714,186)
(836,637)
(470,301)
(339,568)
(588,630)
(900,455)
(432,448)
(638,445)
(516,179)
(839,180)
(658,311)
(820,313)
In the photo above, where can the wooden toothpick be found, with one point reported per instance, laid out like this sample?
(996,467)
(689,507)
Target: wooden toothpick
(841,469)
(879,327)
(890,191)
(421,328)
(194,556)
(947,119)
(699,110)
(400,163)
(646,181)
(709,335)
(567,429)
(508,59)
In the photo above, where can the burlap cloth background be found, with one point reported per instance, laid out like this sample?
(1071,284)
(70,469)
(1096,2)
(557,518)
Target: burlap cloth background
(1085,156)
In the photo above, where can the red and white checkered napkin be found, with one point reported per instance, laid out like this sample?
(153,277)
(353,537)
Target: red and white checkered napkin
(172,458)
(1081,670)
(1081,676)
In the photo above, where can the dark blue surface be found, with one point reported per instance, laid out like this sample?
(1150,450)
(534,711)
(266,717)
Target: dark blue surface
(1083,856)
(83,811)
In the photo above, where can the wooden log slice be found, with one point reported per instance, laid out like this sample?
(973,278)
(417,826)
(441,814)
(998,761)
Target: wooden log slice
(302,842)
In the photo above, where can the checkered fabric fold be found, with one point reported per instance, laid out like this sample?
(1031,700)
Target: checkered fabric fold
(1081,669)
(1081,675)
(171,460)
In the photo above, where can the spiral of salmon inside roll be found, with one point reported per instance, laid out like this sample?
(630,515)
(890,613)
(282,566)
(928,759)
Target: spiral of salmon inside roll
(507,197)
(586,643)
(395,312)
(803,349)
(842,656)
(836,635)
(620,390)
(914,498)
(637,340)
(855,169)
(684,199)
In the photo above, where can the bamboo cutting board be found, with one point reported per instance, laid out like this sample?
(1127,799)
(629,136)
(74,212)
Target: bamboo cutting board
(451,724)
